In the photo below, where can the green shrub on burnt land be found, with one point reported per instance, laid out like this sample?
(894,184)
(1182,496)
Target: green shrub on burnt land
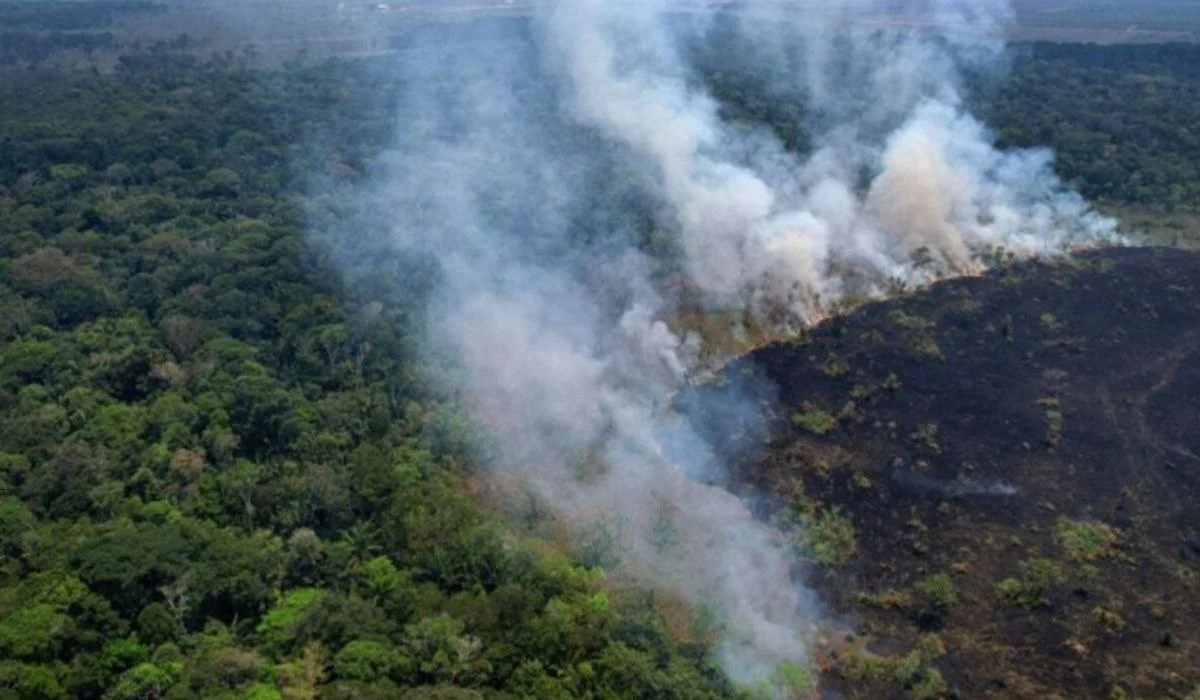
(938,593)
(814,420)
(828,538)
(926,435)
(835,367)
(1039,577)
(1055,424)
(913,673)
(924,346)
(1085,541)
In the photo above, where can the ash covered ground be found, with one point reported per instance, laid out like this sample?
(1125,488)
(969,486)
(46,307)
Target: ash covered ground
(998,478)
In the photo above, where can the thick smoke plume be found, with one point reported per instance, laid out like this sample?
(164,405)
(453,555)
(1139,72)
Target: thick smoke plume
(771,232)
(523,160)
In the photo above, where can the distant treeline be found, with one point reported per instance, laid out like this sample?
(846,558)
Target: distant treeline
(33,32)
(70,16)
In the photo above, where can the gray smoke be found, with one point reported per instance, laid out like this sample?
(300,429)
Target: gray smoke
(519,165)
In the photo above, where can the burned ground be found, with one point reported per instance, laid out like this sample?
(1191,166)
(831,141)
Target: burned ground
(999,479)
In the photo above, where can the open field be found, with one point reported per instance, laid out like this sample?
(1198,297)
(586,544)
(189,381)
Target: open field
(1087,21)
(1165,15)
(1180,230)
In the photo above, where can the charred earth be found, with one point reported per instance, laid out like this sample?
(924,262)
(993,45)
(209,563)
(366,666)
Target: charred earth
(996,481)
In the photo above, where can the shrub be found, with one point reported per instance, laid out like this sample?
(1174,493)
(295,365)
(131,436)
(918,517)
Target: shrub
(1109,620)
(885,599)
(1055,424)
(908,322)
(829,538)
(938,591)
(1038,577)
(1086,541)
(1054,428)
(914,672)
(927,435)
(835,367)
(814,420)
(1050,322)
(925,346)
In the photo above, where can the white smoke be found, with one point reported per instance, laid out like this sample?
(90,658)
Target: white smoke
(768,232)
(555,320)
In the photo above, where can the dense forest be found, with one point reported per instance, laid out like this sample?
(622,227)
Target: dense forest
(219,473)
(1122,119)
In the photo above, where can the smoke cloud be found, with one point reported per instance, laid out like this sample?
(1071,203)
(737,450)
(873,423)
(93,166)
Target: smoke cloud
(767,231)
(526,159)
